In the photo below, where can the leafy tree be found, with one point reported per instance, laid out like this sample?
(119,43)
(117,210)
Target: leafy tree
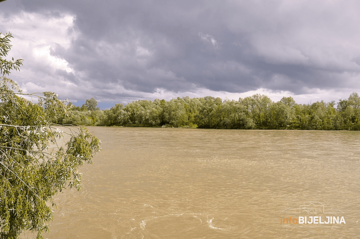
(72,107)
(175,112)
(91,104)
(30,173)
(280,115)
(112,116)
(258,105)
(84,108)
(208,112)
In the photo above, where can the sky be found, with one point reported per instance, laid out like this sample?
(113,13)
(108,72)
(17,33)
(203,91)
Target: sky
(121,51)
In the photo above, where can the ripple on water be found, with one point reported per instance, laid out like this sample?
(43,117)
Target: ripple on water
(173,183)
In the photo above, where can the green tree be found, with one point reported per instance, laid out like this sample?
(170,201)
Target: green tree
(112,116)
(91,104)
(175,113)
(30,173)
(259,106)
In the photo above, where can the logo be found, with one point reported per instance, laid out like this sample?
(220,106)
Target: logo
(312,213)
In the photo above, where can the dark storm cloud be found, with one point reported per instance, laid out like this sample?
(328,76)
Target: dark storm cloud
(232,46)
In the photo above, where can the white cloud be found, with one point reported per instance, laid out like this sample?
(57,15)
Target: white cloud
(43,54)
(35,35)
(140,51)
(208,38)
(315,95)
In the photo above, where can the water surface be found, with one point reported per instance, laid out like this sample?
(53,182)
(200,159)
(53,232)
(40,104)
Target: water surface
(183,183)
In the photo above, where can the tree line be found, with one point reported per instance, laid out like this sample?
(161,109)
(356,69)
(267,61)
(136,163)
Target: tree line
(254,112)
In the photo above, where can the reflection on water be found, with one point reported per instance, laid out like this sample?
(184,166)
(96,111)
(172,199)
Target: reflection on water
(183,183)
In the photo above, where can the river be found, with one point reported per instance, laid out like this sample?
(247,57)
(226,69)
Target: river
(197,183)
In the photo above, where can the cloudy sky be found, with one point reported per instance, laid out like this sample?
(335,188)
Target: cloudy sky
(120,51)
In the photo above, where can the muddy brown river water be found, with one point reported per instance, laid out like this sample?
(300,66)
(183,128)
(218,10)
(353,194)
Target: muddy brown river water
(195,183)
